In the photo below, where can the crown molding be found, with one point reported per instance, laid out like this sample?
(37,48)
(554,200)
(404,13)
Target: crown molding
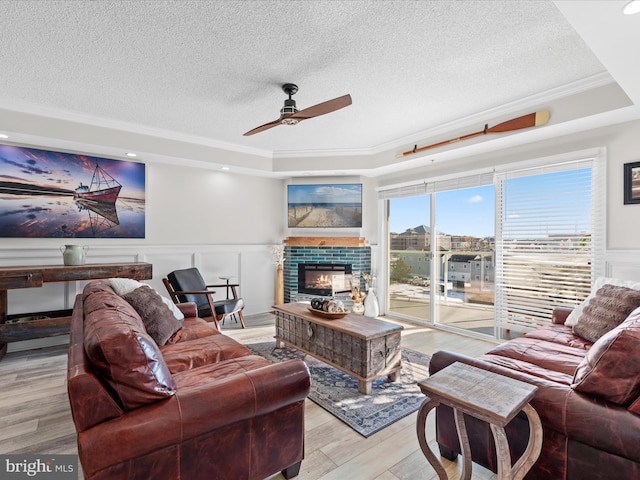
(73,116)
(530,102)
(533,101)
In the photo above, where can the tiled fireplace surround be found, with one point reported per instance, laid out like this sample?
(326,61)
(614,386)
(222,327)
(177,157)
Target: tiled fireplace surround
(358,257)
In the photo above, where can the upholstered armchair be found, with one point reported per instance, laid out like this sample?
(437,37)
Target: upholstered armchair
(188,285)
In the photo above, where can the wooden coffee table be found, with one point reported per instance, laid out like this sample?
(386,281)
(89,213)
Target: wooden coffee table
(364,347)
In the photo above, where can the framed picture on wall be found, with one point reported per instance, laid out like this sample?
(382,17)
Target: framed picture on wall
(50,194)
(631,183)
(324,205)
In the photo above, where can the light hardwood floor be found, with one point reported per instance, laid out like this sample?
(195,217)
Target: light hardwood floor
(36,417)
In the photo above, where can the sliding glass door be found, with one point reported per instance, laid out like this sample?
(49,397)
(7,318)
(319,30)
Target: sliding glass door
(465,222)
(493,253)
(409,256)
(455,228)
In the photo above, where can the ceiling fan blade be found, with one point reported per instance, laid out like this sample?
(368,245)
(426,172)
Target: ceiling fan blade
(323,108)
(264,127)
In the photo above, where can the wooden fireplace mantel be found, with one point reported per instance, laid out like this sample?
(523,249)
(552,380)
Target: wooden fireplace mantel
(325,242)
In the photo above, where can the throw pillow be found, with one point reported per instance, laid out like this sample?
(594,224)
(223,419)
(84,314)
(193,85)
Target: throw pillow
(611,369)
(127,357)
(122,286)
(157,318)
(573,317)
(606,310)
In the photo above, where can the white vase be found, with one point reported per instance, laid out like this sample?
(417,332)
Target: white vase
(74,254)
(371,307)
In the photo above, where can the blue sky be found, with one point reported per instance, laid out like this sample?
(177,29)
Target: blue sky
(565,195)
(470,211)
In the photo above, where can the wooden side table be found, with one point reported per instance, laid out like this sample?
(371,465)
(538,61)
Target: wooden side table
(490,397)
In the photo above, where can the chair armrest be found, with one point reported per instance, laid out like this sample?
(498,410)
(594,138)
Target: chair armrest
(188,309)
(194,292)
(560,314)
(194,411)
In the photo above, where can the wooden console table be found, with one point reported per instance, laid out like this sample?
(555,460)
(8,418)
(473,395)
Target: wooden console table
(490,397)
(35,276)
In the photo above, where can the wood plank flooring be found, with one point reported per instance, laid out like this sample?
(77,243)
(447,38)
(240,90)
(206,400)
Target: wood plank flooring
(36,417)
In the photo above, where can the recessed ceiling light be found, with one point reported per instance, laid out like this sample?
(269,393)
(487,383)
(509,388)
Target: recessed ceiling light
(225,168)
(130,154)
(632,7)
(2,135)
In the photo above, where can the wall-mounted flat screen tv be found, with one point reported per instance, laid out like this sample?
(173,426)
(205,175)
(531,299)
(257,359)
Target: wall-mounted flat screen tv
(325,205)
(49,194)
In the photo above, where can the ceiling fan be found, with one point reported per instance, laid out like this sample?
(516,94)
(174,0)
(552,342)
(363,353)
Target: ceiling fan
(290,115)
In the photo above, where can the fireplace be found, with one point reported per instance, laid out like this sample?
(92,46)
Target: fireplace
(324,279)
(358,257)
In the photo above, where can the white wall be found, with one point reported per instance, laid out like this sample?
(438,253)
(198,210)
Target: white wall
(623,146)
(226,223)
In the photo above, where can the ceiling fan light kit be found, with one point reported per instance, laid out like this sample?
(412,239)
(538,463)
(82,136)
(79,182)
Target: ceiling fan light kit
(290,115)
(535,119)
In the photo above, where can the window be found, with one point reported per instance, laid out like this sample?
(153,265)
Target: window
(544,250)
(548,242)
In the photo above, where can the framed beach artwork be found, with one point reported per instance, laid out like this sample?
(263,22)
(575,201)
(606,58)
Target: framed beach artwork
(631,183)
(48,194)
(324,205)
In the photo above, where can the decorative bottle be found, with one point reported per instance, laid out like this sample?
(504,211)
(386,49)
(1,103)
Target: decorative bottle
(371,307)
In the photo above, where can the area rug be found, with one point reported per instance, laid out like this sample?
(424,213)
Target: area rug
(337,392)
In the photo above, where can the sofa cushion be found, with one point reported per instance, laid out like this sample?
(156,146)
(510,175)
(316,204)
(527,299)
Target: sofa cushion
(573,317)
(158,320)
(611,368)
(607,309)
(193,328)
(201,351)
(124,355)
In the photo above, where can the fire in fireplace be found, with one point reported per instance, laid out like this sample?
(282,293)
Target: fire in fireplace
(324,279)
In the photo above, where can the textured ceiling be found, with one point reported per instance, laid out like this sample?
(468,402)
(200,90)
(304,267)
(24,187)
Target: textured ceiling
(213,69)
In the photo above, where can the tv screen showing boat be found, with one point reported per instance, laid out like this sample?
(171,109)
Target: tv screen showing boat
(51,194)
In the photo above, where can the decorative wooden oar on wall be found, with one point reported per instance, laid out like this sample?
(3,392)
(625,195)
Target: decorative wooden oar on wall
(526,121)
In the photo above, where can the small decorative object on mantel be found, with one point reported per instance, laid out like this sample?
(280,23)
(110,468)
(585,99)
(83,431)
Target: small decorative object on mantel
(279,254)
(74,254)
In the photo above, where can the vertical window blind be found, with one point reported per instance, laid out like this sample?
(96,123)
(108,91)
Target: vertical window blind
(548,239)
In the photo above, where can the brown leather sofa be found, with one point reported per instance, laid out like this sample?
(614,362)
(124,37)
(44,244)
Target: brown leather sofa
(200,406)
(588,400)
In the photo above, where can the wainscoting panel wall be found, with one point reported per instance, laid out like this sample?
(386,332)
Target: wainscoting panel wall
(252,266)
(623,264)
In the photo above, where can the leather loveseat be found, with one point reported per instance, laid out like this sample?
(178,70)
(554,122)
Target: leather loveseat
(198,406)
(588,398)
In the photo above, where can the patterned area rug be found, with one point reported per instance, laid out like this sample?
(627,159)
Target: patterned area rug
(337,392)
